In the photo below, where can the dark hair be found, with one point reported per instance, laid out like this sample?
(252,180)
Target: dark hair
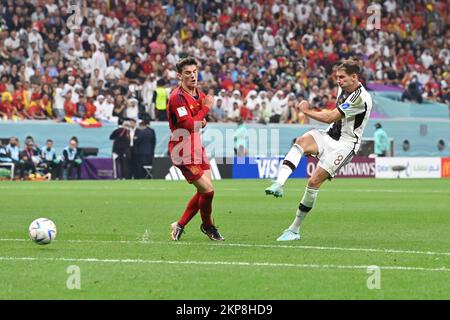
(406,145)
(350,66)
(189,61)
(441,145)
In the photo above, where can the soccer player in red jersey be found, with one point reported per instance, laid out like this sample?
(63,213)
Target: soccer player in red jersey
(186,110)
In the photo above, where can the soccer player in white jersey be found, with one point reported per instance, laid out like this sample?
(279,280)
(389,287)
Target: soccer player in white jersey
(333,147)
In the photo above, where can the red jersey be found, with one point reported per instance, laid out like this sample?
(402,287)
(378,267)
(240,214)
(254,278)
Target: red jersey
(90,110)
(70,108)
(186,112)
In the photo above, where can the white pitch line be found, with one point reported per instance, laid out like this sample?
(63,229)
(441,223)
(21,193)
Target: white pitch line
(143,187)
(324,248)
(226,263)
(378,191)
(244,245)
(356,190)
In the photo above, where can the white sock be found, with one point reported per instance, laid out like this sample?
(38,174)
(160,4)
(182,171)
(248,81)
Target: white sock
(309,197)
(299,217)
(293,157)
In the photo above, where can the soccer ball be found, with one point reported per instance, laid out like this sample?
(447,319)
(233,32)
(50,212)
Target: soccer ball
(42,231)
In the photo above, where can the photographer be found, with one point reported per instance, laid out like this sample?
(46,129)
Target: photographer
(121,150)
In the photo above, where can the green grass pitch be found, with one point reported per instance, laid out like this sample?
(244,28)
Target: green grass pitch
(117,233)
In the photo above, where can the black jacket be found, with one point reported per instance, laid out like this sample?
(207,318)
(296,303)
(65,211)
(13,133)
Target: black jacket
(121,137)
(145,142)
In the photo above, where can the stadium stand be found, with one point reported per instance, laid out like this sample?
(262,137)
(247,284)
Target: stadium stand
(120,49)
(66,68)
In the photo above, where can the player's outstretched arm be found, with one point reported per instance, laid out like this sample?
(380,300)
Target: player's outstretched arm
(327,116)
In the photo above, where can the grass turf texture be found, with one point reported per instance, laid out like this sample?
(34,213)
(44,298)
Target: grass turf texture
(123,228)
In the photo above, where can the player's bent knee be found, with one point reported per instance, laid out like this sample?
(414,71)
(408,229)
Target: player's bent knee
(308,143)
(301,141)
(205,190)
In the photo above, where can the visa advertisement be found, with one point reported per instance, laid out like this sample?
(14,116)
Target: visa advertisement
(264,168)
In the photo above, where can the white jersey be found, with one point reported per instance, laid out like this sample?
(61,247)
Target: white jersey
(356,108)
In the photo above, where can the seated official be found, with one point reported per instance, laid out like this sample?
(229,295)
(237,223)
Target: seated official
(72,159)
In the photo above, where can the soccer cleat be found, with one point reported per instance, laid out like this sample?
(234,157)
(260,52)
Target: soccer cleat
(212,233)
(275,189)
(289,235)
(176,231)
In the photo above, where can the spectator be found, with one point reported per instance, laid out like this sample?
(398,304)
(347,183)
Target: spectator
(234,115)
(119,108)
(266,112)
(35,111)
(245,46)
(131,111)
(251,99)
(217,113)
(99,62)
(59,102)
(381,141)
(244,113)
(236,98)
(90,108)
(104,109)
(81,107)
(113,73)
(148,91)
(278,105)
(414,91)
(70,107)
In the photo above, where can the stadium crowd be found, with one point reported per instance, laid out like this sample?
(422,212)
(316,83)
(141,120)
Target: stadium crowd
(257,57)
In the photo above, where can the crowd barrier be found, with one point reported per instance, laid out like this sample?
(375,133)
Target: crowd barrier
(359,167)
(267,168)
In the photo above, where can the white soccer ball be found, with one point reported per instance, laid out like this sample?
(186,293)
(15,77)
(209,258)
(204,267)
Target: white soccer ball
(42,231)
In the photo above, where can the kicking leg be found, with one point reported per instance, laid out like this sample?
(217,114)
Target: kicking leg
(303,145)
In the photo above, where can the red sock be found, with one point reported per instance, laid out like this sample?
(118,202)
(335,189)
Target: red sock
(191,210)
(205,204)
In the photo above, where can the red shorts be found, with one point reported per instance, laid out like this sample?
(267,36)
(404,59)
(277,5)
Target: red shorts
(193,172)
(192,167)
